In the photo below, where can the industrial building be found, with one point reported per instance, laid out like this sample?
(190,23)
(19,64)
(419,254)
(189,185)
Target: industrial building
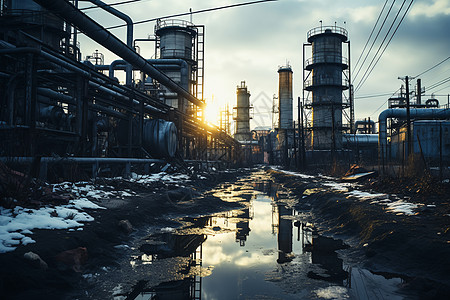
(58,108)
(326,76)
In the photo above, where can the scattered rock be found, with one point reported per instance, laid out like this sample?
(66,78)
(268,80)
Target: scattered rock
(35,260)
(126,226)
(73,258)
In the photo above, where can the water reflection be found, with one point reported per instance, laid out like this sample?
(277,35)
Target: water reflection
(265,250)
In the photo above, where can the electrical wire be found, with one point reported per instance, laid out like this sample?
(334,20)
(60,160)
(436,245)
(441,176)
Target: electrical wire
(445,87)
(390,39)
(109,5)
(373,43)
(193,12)
(439,83)
(372,96)
(370,36)
(436,65)
(380,46)
(384,103)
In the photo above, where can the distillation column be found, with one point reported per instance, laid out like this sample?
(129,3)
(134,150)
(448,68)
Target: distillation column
(285,127)
(327,65)
(242,113)
(176,41)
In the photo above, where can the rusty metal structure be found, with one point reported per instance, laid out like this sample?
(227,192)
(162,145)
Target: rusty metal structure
(56,106)
(242,113)
(285,108)
(326,76)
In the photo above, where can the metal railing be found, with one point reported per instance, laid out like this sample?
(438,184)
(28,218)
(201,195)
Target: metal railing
(326,58)
(323,29)
(172,23)
(34,17)
(177,53)
(317,81)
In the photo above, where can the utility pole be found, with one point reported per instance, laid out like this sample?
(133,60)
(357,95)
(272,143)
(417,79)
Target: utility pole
(408,117)
(299,135)
(419,92)
(303,137)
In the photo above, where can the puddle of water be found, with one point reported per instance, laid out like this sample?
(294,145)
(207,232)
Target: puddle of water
(266,250)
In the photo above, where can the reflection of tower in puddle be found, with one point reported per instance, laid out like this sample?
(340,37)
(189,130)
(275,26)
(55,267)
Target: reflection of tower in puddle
(175,245)
(284,234)
(243,227)
(265,186)
(323,253)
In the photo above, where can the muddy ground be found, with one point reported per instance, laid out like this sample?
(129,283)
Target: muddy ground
(104,240)
(415,248)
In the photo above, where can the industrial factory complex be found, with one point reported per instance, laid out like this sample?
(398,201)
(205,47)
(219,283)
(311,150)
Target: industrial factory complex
(116,184)
(58,108)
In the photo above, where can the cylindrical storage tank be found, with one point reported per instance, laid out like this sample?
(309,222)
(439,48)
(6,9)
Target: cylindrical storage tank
(327,65)
(35,21)
(285,97)
(160,138)
(242,117)
(176,39)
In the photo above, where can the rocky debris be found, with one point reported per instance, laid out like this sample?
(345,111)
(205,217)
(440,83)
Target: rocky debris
(17,188)
(181,194)
(35,260)
(125,226)
(74,258)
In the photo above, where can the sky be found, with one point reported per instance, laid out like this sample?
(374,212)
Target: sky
(249,43)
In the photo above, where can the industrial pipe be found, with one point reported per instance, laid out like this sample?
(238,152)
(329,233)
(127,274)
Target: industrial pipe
(99,34)
(46,55)
(55,95)
(82,160)
(129,22)
(359,139)
(162,64)
(432,113)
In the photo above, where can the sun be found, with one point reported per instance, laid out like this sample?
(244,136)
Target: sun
(212,112)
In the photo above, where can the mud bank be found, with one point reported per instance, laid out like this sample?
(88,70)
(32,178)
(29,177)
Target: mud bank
(74,260)
(412,245)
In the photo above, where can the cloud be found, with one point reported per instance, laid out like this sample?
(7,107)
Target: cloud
(431,9)
(364,14)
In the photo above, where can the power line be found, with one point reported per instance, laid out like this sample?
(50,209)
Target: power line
(384,102)
(373,96)
(445,87)
(390,39)
(379,47)
(439,83)
(109,5)
(436,65)
(370,36)
(373,43)
(194,12)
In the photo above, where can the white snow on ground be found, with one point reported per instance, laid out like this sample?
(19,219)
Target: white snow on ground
(341,187)
(398,207)
(402,207)
(365,195)
(292,173)
(17,224)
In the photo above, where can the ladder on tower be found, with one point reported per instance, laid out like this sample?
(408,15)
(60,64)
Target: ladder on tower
(200,61)
(196,283)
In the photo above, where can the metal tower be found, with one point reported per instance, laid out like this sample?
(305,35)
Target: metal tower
(241,113)
(327,76)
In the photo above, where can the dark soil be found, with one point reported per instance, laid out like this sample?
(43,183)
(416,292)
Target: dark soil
(415,248)
(20,279)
